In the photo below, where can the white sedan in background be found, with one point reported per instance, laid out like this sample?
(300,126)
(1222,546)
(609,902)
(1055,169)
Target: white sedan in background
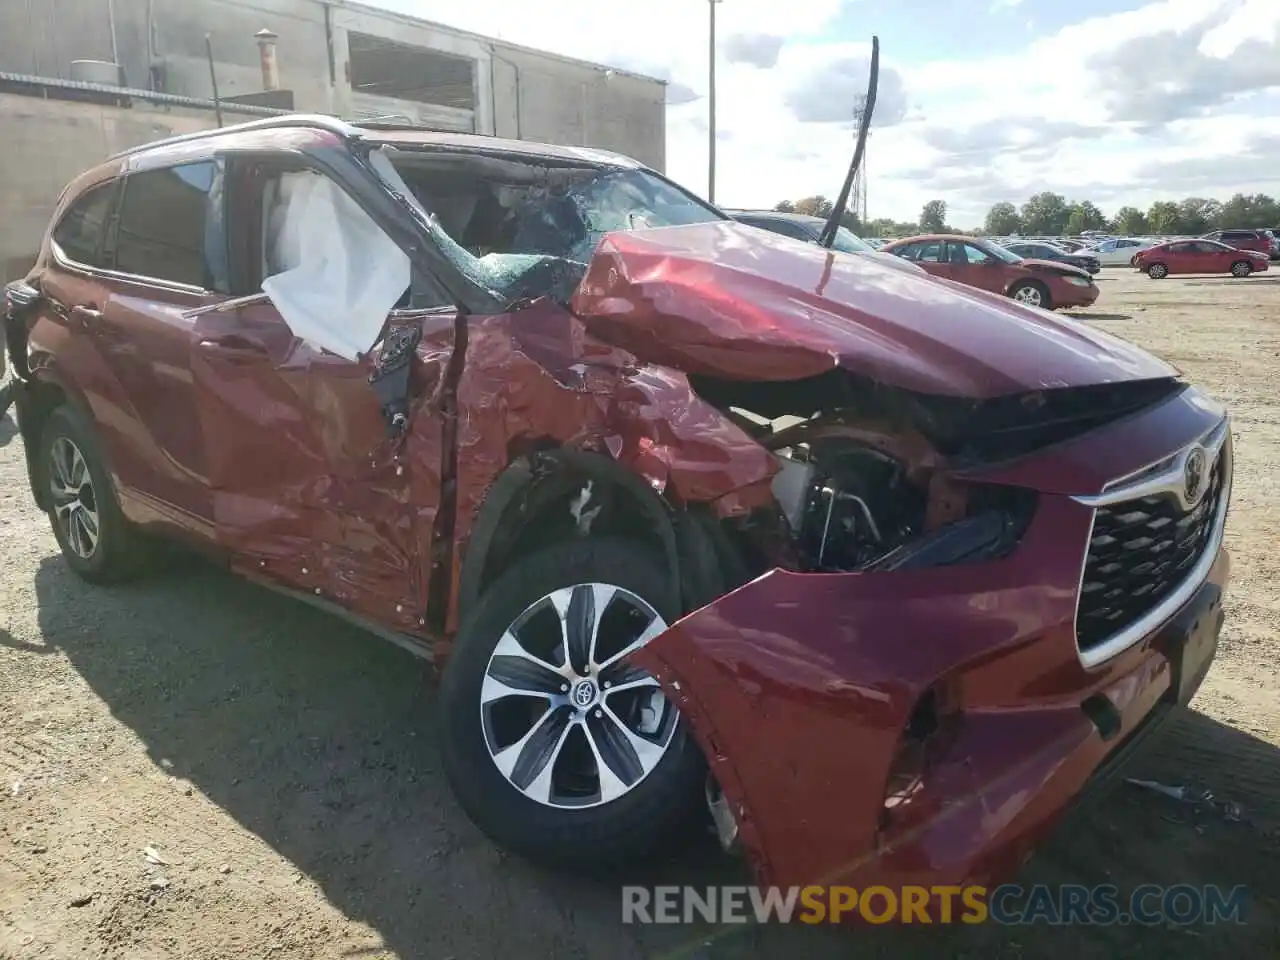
(1118,252)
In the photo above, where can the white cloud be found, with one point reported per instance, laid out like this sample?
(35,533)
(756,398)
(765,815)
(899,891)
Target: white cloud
(1135,106)
(757,49)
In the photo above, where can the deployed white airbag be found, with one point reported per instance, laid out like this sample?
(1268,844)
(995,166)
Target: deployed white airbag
(340,272)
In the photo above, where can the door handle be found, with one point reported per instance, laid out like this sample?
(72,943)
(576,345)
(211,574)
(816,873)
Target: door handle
(86,314)
(233,347)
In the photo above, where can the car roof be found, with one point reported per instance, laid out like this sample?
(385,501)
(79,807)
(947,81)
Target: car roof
(927,237)
(296,129)
(482,143)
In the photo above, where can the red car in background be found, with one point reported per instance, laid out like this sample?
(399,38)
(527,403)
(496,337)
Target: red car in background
(989,266)
(1198,256)
(1263,241)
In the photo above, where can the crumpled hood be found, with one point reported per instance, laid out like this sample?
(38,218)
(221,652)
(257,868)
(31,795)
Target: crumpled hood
(720,299)
(1057,266)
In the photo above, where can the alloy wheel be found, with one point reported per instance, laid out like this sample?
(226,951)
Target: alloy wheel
(75,502)
(566,720)
(1240,270)
(1029,295)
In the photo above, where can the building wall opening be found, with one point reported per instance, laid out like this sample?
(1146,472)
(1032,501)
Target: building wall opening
(385,68)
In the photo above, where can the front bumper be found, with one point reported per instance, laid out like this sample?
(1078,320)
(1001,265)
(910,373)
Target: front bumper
(801,689)
(1072,296)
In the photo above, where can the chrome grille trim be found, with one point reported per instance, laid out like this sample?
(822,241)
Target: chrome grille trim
(1165,478)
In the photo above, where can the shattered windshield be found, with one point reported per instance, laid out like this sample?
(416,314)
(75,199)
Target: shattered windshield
(997,252)
(524,229)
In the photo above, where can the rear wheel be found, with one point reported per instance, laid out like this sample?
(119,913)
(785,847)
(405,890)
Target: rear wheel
(556,746)
(1032,294)
(95,538)
(1241,268)
(1157,271)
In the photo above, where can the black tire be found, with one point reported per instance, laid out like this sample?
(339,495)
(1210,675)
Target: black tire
(121,553)
(644,822)
(1046,301)
(1157,271)
(1241,268)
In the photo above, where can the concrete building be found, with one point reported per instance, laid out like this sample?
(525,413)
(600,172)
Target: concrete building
(330,56)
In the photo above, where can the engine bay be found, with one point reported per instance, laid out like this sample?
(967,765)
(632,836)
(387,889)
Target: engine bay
(847,504)
(866,480)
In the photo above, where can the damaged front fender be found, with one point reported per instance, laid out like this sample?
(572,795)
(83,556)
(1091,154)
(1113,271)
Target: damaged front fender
(809,695)
(534,381)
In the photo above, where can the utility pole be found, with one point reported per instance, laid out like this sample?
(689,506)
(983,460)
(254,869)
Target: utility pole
(711,104)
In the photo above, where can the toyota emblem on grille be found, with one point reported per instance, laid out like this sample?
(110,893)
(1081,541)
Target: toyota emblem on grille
(1193,479)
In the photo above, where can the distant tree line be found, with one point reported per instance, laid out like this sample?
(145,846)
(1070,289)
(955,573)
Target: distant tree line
(1051,215)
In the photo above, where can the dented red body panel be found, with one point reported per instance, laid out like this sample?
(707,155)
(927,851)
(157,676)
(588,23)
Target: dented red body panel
(537,377)
(228,430)
(721,299)
(799,687)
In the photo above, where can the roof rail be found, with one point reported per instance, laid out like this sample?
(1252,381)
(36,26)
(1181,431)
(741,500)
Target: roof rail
(317,120)
(399,122)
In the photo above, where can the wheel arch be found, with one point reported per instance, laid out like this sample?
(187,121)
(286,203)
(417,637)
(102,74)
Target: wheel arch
(36,397)
(532,504)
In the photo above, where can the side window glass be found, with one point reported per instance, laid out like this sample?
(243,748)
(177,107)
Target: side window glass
(970,254)
(171,226)
(931,252)
(80,233)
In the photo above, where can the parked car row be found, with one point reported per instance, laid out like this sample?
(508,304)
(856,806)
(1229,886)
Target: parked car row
(1057,279)
(1048,284)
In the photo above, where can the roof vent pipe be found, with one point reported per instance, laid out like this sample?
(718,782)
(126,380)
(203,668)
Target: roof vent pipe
(267,53)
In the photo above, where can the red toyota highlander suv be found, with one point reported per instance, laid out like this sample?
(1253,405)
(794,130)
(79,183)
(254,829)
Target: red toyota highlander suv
(876,572)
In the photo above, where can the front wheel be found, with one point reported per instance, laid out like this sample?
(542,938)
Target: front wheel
(556,746)
(1157,271)
(1241,268)
(1032,294)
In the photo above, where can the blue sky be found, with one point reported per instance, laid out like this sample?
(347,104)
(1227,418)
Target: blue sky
(1115,101)
(918,31)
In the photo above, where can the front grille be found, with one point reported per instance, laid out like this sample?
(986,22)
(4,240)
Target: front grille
(1140,551)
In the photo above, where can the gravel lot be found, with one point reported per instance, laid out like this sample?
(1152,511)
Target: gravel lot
(282,766)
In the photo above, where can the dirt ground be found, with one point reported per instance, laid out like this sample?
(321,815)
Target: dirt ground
(282,764)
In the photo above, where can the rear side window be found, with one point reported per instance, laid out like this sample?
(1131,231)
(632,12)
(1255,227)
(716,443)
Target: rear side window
(172,227)
(82,229)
